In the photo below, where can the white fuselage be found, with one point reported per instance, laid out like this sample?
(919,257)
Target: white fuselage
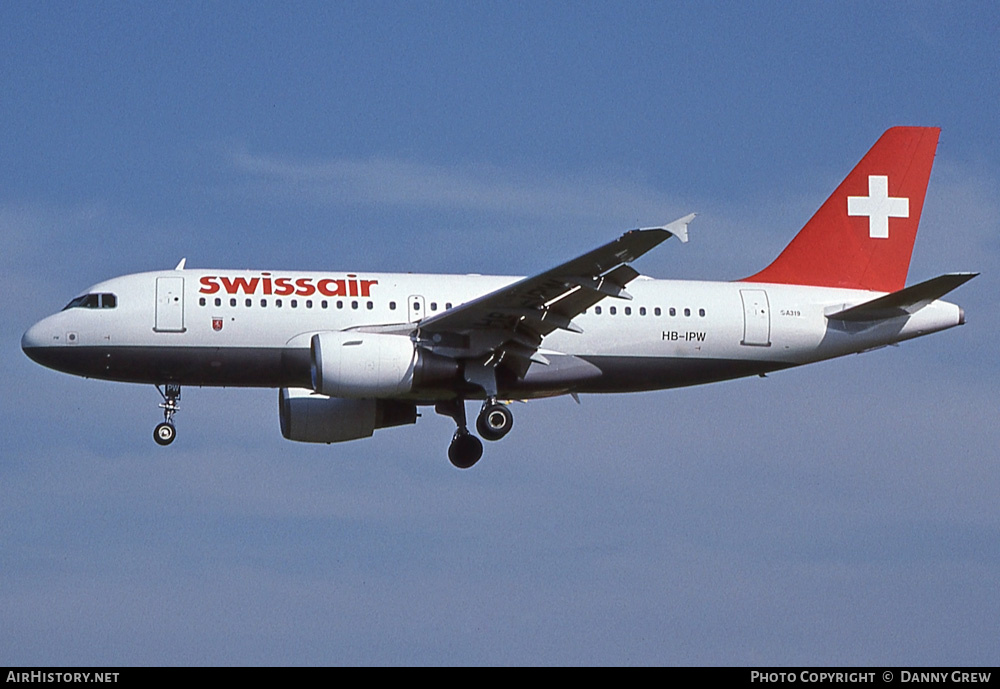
(355,352)
(249,328)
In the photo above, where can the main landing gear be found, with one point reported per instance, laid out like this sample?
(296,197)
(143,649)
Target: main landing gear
(164,433)
(495,420)
(493,423)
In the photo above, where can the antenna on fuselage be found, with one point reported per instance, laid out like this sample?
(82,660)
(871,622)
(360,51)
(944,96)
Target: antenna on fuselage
(180,266)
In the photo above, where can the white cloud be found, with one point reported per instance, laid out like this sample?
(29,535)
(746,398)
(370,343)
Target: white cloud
(480,188)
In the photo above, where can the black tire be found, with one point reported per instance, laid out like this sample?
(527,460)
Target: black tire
(164,433)
(494,421)
(465,450)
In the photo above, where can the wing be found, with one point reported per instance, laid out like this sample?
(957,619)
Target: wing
(507,326)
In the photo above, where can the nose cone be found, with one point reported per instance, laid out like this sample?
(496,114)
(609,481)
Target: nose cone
(33,340)
(52,343)
(41,341)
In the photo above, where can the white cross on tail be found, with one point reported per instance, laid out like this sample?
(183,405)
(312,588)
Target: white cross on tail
(878,206)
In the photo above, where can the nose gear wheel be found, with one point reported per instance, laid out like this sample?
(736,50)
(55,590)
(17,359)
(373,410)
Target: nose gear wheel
(164,433)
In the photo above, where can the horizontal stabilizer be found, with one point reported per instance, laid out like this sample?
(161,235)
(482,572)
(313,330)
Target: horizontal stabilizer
(905,301)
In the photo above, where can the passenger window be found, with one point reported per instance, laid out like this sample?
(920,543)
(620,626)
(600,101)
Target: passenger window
(673,311)
(309,303)
(392,306)
(277,303)
(218,302)
(263,302)
(701,312)
(295,303)
(687,312)
(612,310)
(642,310)
(201,302)
(597,310)
(232,302)
(249,302)
(656,311)
(628,310)
(370,306)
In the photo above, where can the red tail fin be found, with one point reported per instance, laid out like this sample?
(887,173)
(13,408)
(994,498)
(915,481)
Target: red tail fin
(862,237)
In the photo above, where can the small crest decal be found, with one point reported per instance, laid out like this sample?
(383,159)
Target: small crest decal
(216,324)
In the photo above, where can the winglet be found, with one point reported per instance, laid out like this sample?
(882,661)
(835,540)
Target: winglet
(180,266)
(678,228)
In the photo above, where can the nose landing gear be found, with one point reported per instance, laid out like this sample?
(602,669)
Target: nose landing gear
(164,433)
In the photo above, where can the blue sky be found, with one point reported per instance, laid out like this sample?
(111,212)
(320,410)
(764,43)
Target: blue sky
(843,513)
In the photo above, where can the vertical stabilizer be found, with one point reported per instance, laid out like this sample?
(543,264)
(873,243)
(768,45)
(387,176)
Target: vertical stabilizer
(862,237)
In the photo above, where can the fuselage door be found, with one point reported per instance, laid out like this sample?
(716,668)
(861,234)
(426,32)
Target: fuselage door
(756,318)
(169,305)
(416,307)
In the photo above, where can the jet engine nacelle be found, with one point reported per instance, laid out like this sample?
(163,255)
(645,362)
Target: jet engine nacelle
(310,417)
(360,365)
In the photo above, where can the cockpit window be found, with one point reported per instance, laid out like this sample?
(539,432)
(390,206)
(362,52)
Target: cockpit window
(84,301)
(93,301)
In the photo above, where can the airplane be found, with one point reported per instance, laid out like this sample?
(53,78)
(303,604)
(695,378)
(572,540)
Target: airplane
(351,353)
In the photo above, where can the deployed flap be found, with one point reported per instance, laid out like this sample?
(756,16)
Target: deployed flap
(905,301)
